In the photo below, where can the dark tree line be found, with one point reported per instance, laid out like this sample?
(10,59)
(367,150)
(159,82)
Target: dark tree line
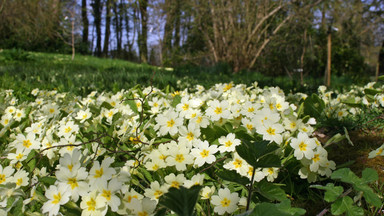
(269,36)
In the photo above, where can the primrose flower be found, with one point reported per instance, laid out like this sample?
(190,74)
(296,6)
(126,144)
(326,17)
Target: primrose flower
(155,191)
(228,143)
(168,123)
(190,135)
(21,178)
(271,131)
(89,205)
(175,181)
(6,119)
(83,115)
(217,110)
(74,181)
(29,142)
(271,173)
(68,129)
(180,157)
(204,153)
(129,196)
(144,207)
(303,146)
(225,201)
(207,192)
(319,159)
(377,152)
(197,179)
(238,164)
(5,174)
(100,174)
(56,198)
(107,195)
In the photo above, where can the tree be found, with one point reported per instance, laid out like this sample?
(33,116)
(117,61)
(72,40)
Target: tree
(238,31)
(84,18)
(142,38)
(97,9)
(108,15)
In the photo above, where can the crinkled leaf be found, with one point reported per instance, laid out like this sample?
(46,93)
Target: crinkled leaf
(213,132)
(233,176)
(369,175)
(182,201)
(373,92)
(332,192)
(345,175)
(48,180)
(176,100)
(271,191)
(259,154)
(314,106)
(342,205)
(368,194)
(280,209)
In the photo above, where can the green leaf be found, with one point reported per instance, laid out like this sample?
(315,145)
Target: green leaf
(106,105)
(47,180)
(182,201)
(176,100)
(146,174)
(372,92)
(213,132)
(271,191)
(132,104)
(280,209)
(233,176)
(259,154)
(368,194)
(314,106)
(342,205)
(369,175)
(355,211)
(345,175)
(332,192)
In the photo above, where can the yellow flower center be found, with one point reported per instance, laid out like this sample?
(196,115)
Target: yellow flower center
(73,183)
(170,123)
(293,125)
(270,171)
(316,158)
(85,116)
(99,173)
(303,146)
(193,115)
(6,121)
(70,166)
(19,156)
(249,126)
(158,194)
(190,136)
(106,194)
(27,143)
(51,110)
(238,163)
(251,109)
(155,167)
(279,106)
(271,131)
(185,107)
(379,152)
(19,181)
(175,184)
(56,198)
(91,205)
(227,87)
(225,202)
(228,143)
(2,178)
(218,110)
(199,119)
(144,213)
(179,158)
(204,153)
(68,129)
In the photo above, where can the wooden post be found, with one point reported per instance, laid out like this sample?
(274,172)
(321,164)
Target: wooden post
(329,57)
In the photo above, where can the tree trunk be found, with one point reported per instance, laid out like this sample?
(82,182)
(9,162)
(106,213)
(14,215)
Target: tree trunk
(97,8)
(381,59)
(177,15)
(168,30)
(142,39)
(107,28)
(85,21)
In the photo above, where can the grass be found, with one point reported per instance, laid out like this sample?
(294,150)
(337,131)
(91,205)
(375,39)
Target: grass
(24,71)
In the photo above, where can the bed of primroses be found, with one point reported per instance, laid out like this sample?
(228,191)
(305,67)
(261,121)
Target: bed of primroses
(124,153)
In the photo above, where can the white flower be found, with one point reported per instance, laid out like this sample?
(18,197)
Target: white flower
(204,153)
(89,205)
(303,146)
(83,115)
(271,173)
(74,181)
(228,143)
(168,123)
(217,110)
(377,152)
(190,135)
(100,174)
(225,201)
(107,195)
(144,207)
(155,191)
(5,174)
(21,178)
(56,198)
(68,129)
(197,179)
(179,156)
(271,131)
